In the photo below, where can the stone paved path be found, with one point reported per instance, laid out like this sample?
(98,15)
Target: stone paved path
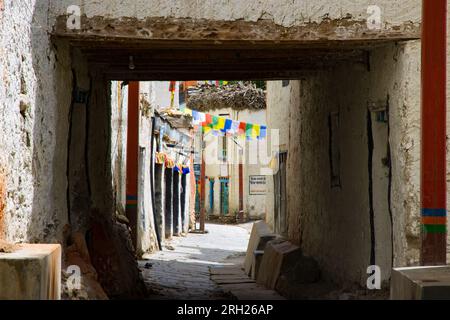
(183,273)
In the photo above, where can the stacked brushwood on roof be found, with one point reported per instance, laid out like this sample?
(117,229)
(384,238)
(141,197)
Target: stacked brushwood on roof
(237,96)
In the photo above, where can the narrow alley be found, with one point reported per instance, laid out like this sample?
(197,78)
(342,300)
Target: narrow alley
(224,150)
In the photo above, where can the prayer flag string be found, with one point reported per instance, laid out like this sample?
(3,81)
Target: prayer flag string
(221,126)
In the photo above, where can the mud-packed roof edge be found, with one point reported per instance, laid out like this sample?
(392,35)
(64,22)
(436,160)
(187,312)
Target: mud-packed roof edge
(237,96)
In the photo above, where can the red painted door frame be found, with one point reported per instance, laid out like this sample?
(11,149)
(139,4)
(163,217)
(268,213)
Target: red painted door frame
(433,153)
(132,157)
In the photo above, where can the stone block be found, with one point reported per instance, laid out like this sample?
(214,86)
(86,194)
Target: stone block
(272,261)
(32,272)
(256,263)
(421,283)
(284,267)
(260,235)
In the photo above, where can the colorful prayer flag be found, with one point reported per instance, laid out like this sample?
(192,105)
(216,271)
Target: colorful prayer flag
(195,117)
(206,129)
(248,130)
(227,126)
(263,132)
(215,121)
(234,127)
(242,127)
(202,117)
(255,131)
(220,124)
(208,119)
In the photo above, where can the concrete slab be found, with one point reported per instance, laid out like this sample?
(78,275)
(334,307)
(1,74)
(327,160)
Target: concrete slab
(238,285)
(421,283)
(260,235)
(272,262)
(32,272)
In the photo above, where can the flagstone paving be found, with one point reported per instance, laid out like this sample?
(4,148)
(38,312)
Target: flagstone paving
(184,272)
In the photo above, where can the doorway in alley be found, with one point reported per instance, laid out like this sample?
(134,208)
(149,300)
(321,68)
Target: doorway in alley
(224,195)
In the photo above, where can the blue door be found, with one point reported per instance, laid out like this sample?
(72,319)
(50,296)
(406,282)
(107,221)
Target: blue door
(211,195)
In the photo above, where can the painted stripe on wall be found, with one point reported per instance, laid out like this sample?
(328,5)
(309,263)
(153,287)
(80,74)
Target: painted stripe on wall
(434,228)
(434,220)
(434,212)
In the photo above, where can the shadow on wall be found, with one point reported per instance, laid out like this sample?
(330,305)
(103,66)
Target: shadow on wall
(71,159)
(49,117)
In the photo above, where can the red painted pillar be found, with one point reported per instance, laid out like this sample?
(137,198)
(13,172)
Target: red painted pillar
(132,156)
(433,155)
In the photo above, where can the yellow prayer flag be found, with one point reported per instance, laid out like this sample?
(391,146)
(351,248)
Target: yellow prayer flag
(206,129)
(220,124)
(256,130)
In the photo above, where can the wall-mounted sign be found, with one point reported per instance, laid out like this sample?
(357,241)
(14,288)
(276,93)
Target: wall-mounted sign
(257,185)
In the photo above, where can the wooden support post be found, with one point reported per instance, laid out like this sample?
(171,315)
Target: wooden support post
(202,188)
(132,157)
(433,153)
(241,192)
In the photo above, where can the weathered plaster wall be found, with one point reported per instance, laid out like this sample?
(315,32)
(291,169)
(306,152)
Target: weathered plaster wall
(146,224)
(310,20)
(161,96)
(283,12)
(119,113)
(255,161)
(78,195)
(333,224)
(402,84)
(108,237)
(34,104)
(283,104)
